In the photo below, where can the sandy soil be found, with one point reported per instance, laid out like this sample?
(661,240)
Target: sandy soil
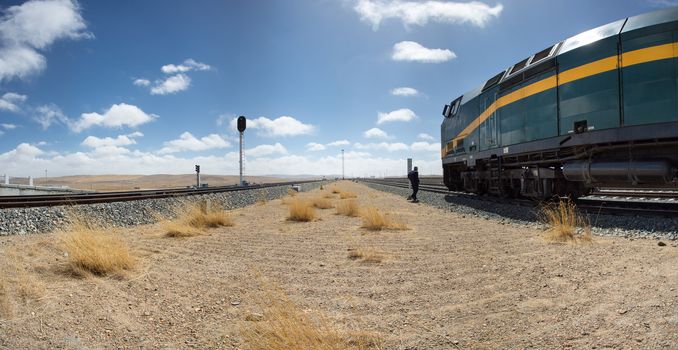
(130,182)
(448,282)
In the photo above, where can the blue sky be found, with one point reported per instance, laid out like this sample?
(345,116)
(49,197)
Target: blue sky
(145,87)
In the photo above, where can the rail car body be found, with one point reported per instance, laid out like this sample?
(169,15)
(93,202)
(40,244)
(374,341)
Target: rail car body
(597,109)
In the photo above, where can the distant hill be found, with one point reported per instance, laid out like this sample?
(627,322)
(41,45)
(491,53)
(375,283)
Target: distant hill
(130,182)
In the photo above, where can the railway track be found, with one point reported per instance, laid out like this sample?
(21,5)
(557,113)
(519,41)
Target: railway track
(661,203)
(108,197)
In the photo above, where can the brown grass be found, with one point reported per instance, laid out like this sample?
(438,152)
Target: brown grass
(91,250)
(368,255)
(347,195)
(336,190)
(291,192)
(348,208)
(374,220)
(322,203)
(565,223)
(5,299)
(328,195)
(301,210)
(195,219)
(283,325)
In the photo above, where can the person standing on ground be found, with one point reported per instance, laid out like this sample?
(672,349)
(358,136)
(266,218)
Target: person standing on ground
(414,181)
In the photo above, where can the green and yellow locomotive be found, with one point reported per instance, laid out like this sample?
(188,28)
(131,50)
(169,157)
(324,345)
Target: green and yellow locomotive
(597,109)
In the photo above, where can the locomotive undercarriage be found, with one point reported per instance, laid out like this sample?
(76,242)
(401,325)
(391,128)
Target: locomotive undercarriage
(569,171)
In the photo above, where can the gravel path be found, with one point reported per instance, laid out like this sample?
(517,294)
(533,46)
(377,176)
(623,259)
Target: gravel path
(602,225)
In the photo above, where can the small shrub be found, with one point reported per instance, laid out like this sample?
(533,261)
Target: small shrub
(328,195)
(301,210)
(348,208)
(291,192)
(335,190)
(347,195)
(374,220)
(282,324)
(368,255)
(91,250)
(322,203)
(565,223)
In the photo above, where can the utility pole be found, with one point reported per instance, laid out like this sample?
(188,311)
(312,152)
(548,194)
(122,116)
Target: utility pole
(342,165)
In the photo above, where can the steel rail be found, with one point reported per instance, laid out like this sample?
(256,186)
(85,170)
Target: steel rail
(591,205)
(122,196)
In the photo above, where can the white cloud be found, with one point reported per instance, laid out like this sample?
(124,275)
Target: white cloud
(383,146)
(121,140)
(402,115)
(28,159)
(188,65)
(21,152)
(10,101)
(265,150)
(425,136)
(414,52)
(117,116)
(171,85)
(32,26)
(49,114)
(8,126)
(375,133)
(142,82)
(405,91)
(188,142)
(425,146)
(223,119)
(281,126)
(314,147)
(420,13)
(339,143)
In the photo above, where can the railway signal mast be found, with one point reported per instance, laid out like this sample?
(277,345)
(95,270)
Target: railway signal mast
(242,124)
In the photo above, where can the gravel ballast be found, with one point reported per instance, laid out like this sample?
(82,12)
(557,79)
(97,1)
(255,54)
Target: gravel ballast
(602,225)
(46,219)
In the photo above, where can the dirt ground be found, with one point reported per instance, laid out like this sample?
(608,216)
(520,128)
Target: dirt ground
(448,282)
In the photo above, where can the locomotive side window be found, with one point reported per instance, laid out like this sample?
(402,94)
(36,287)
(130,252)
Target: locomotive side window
(520,65)
(541,55)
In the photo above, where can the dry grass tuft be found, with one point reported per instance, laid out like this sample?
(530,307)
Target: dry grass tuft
(301,210)
(348,208)
(282,324)
(91,250)
(322,203)
(347,195)
(566,223)
(178,228)
(328,195)
(291,192)
(374,220)
(336,190)
(195,219)
(368,255)
(208,218)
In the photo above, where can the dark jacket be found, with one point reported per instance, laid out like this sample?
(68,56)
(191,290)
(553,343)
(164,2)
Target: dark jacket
(414,177)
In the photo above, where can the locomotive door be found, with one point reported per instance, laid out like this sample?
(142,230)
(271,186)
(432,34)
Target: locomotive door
(488,129)
(492,133)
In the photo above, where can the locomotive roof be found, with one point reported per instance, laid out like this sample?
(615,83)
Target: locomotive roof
(605,31)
